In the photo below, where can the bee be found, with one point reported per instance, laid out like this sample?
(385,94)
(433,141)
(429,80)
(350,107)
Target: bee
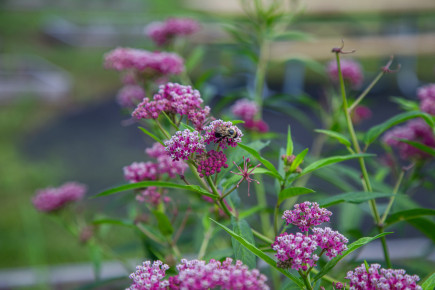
(228,132)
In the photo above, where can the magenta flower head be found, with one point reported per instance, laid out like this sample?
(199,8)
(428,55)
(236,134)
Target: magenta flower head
(350,69)
(295,251)
(183,144)
(415,130)
(152,196)
(52,199)
(129,96)
(200,275)
(211,163)
(140,171)
(163,32)
(361,113)
(426,94)
(379,278)
(245,109)
(257,125)
(223,133)
(330,241)
(165,164)
(149,276)
(151,64)
(306,215)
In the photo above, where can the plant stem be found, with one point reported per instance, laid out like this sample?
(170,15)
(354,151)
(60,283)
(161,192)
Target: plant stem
(262,237)
(395,190)
(261,199)
(260,74)
(229,191)
(162,129)
(205,242)
(220,201)
(195,173)
(306,282)
(149,234)
(365,92)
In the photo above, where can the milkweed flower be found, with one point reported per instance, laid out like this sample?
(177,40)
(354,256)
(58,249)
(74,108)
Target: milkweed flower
(245,172)
(52,199)
(140,171)
(306,215)
(415,130)
(245,109)
(149,276)
(331,241)
(130,95)
(295,251)
(379,278)
(361,113)
(224,133)
(211,163)
(257,125)
(163,32)
(183,144)
(350,69)
(153,64)
(152,195)
(426,94)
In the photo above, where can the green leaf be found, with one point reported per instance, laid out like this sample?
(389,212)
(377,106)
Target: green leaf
(163,222)
(327,161)
(352,197)
(289,150)
(406,104)
(429,283)
(125,223)
(143,184)
(261,255)
(251,211)
(292,191)
(194,58)
(408,215)
(298,160)
(425,226)
(340,137)
(264,161)
(96,257)
(184,126)
(170,121)
(352,247)
(422,147)
(377,130)
(292,35)
(241,253)
(260,170)
(235,122)
(151,135)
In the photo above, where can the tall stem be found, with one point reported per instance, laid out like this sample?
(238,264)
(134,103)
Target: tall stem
(366,91)
(261,200)
(260,74)
(395,190)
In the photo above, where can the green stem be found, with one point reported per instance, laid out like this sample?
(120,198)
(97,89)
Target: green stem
(395,190)
(306,282)
(229,191)
(149,234)
(262,237)
(275,219)
(205,242)
(195,173)
(162,129)
(366,91)
(260,74)
(220,201)
(261,199)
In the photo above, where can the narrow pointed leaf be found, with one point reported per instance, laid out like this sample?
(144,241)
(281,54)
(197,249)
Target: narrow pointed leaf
(429,283)
(235,122)
(340,137)
(352,197)
(427,149)
(425,226)
(298,160)
(292,191)
(241,253)
(125,223)
(152,135)
(263,161)
(195,58)
(260,170)
(352,247)
(377,130)
(289,149)
(408,215)
(164,223)
(260,254)
(143,184)
(331,160)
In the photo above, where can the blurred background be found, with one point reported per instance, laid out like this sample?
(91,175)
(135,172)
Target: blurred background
(59,120)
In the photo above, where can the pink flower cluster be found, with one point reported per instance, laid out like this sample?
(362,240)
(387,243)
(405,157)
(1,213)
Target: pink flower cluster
(140,171)
(306,215)
(151,195)
(379,278)
(246,110)
(162,32)
(361,113)
(174,99)
(149,276)
(426,94)
(224,133)
(415,130)
(129,96)
(295,251)
(183,144)
(350,69)
(331,241)
(199,275)
(52,199)
(154,64)
(212,163)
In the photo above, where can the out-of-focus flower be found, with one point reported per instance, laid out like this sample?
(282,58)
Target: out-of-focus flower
(350,69)
(183,144)
(306,215)
(151,195)
(224,133)
(140,171)
(257,125)
(149,276)
(52,199)
(163,32)
(331,241)
(245,109)
(295,251)
(415,130)
(426,94)
(379,278)
(129,96)
(338,285)
(152,64)
(361,113)
(211,163)
(245,172)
